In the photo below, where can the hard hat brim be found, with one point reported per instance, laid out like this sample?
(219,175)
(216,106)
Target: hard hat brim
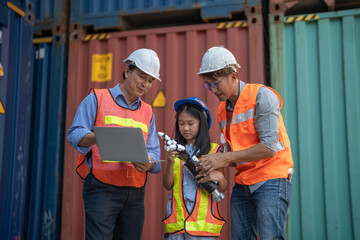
(131,60)
(217,69)
(180,102)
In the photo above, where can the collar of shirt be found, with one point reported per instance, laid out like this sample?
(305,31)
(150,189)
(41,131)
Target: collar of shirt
(120,98)
(241,86)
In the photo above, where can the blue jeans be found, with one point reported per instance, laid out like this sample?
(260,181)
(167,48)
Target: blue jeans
(112,212)
(262,212)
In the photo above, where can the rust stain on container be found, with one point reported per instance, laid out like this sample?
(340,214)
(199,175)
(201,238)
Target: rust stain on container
(180,50)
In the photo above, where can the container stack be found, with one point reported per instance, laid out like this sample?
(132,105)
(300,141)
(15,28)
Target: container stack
(53,52)
(315,62)
(32,106)
(16,84)
(49,58)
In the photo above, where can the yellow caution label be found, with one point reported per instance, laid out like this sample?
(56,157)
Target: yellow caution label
(228,25)
(97,36)
(290,19)
(299,18)
(234,24)
(15,9)
(101,69)
(309,17)
(42,40)
(159,100)
(2,109)
(87,38)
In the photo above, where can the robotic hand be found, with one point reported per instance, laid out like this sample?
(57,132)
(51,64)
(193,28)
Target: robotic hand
(171,145)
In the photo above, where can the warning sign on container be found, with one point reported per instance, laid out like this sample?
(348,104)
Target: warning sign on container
(160,100)
(2,109)
(101,68)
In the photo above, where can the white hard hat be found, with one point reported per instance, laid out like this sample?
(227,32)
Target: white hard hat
(217,58)
(146,60)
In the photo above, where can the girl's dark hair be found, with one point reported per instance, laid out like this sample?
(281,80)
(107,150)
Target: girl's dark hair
(131,67)
(203,140)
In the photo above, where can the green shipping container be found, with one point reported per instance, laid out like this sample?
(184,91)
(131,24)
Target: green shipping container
(315,66)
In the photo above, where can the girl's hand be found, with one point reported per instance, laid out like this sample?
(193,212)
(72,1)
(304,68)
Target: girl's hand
(171,155)
(216,176)
(168,178)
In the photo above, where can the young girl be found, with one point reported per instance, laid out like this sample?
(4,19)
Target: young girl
(191,213)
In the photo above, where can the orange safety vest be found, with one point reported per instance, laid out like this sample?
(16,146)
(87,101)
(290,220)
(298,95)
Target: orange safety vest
(110,114)
(243,135)
(204,220)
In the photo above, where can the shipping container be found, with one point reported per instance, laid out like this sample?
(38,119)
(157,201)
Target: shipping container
(15,116)
(180,50)
(98,15)
(50,17)
(46,163)
(315,66)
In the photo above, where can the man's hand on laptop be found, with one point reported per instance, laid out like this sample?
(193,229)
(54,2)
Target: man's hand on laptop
(144,167)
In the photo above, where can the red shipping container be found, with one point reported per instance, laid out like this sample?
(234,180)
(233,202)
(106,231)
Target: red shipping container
(180,50)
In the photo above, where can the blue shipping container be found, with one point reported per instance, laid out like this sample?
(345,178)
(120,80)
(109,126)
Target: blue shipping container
(101,14)
(50,16)
(50,66)
(15,117)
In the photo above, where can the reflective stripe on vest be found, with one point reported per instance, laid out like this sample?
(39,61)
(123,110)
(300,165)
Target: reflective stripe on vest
(175,222)
(242,117)
(243,135)
(125,122)
(201,222)
(110,114)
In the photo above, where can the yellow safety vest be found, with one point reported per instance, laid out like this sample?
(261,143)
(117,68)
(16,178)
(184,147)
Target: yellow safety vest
(204,220)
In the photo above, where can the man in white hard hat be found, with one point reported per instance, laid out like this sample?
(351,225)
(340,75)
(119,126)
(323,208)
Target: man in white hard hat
(252,126)
(114,192)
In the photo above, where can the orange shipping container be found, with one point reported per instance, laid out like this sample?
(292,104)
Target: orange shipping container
(95,61)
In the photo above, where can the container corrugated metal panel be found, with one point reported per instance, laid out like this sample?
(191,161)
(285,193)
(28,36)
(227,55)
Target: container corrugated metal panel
(315,66)
(23,8)
(50,58)
(180,50)
(50,16)
(3,14)
(15,119)
(125,14)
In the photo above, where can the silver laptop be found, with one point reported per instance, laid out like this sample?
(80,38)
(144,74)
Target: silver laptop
(118,144)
